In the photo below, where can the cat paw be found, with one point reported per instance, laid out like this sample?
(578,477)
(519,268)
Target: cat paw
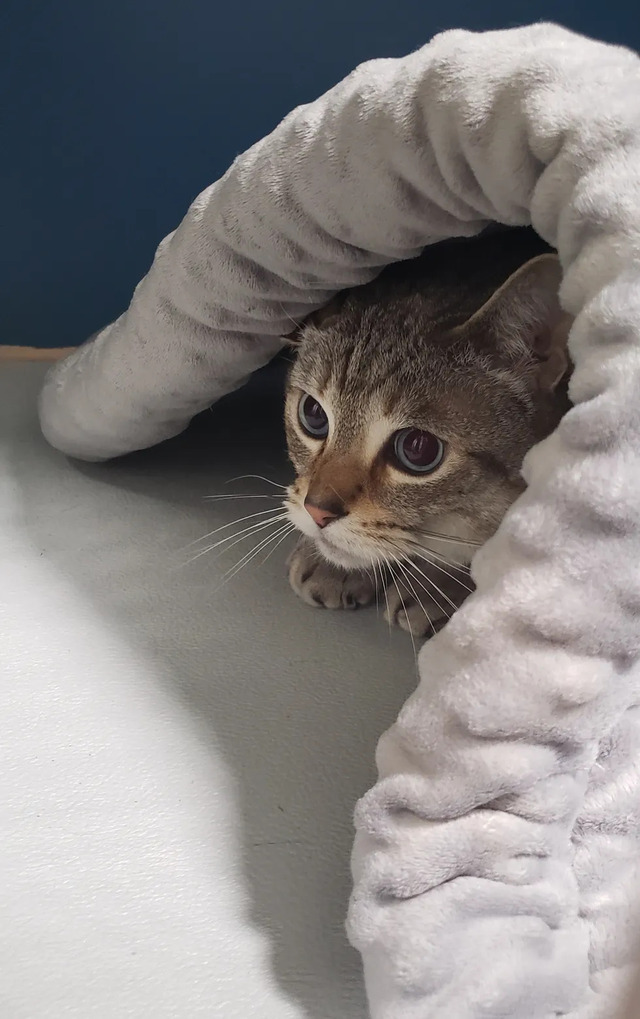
(419,617)
(320,583)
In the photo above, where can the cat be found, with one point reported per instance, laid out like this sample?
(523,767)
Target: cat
(410,405)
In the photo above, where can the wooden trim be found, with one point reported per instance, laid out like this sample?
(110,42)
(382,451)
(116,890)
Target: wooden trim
(34,353)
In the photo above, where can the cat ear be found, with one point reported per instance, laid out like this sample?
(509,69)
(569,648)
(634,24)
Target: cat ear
(524,322)
(320,319)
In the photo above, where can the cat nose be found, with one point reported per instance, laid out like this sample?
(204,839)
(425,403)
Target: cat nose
(322,515)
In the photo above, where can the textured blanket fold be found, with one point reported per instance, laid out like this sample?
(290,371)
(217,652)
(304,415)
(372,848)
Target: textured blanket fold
(496,860)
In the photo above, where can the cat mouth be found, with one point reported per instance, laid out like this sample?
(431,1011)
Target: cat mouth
(336,551)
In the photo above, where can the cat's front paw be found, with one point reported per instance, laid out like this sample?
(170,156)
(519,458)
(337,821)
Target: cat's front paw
(320,583)
(414,611)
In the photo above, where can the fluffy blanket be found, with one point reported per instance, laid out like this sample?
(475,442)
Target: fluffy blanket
(496,859)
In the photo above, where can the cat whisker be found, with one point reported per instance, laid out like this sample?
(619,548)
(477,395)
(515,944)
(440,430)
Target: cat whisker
(449,537)
(223,527)
(407,580)
(410,564)
(404,609)
(244,535)
(433,562)
(238,495)
(246,559)
(258,477)
(255,551)
(262,542)
(278,543)
(374,580)
(290,317)
(451,576)
(401,564)
(386,596)
(241,535)
(458,567)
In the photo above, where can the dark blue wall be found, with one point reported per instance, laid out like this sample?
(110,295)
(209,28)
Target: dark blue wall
(116,114)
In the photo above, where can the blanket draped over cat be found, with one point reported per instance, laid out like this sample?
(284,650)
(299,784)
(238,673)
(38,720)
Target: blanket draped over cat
(496,859)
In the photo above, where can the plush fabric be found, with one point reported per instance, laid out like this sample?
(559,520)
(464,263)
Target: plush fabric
(496,859)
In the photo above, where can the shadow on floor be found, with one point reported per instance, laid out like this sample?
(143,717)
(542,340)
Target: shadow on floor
(295,698)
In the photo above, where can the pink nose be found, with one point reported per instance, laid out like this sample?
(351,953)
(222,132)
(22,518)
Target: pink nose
(322,517)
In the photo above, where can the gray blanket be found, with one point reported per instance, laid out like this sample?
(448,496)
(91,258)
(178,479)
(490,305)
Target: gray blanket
(496,859)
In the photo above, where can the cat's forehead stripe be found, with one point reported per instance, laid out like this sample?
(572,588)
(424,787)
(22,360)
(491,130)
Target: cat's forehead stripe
(367,426)
(377,431)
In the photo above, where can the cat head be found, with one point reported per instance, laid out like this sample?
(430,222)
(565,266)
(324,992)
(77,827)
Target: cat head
(412,401)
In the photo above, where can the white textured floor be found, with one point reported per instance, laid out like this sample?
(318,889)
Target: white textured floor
(179,763)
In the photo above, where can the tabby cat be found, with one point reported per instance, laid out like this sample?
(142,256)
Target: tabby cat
(410,405)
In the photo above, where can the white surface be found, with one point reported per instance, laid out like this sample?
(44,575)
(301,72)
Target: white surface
(179,764)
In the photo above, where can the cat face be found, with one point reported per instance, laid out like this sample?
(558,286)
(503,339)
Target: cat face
(409,410)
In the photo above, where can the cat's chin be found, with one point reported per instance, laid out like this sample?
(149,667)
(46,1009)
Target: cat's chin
(339,557)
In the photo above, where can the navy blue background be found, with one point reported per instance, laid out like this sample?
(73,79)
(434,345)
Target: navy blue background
(116,114)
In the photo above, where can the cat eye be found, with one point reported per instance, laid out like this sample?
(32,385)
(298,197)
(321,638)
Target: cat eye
(312,417)
(416,451)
